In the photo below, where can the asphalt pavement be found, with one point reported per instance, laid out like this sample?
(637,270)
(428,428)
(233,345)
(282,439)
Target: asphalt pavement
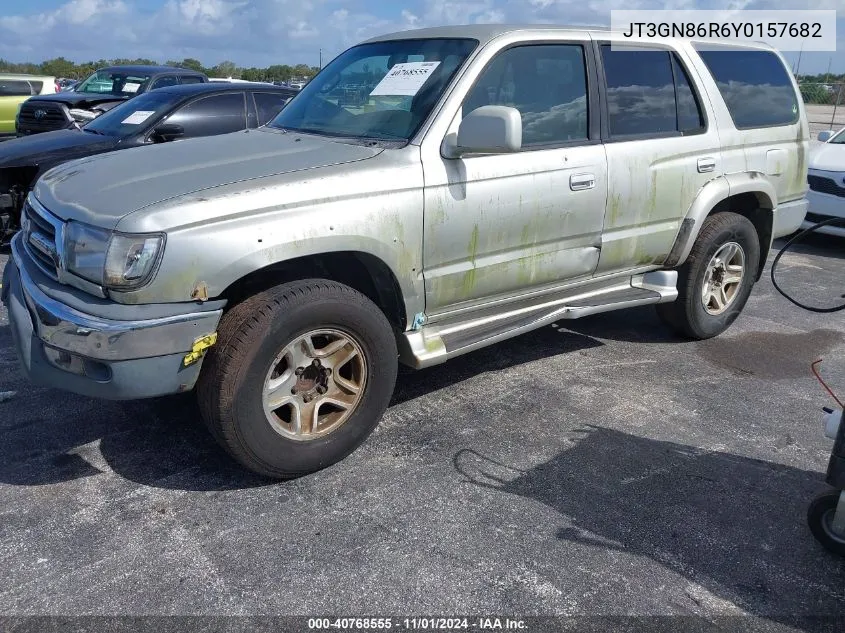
(597,467)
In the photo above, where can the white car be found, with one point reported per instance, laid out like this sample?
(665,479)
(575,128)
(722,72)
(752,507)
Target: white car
(826,175)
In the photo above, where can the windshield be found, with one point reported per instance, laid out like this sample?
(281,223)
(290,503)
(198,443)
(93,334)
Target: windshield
(134,115)
(383,90)
(114,82)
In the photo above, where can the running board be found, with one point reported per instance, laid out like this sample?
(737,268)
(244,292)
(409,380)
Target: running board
(434,344)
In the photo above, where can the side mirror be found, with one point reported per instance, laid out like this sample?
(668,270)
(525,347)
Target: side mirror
(167,132)
(825,136)
(489,130)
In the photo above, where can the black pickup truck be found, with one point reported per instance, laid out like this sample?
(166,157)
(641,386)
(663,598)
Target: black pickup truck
(99,93)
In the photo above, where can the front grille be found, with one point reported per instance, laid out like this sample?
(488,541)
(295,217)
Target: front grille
(40,240)
(42,116)
(825,185)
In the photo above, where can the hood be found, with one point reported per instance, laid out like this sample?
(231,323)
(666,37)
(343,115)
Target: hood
(49,147)
(102,189)
(827,156)
(80,99)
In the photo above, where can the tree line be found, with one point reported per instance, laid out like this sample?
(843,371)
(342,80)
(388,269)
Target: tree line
(61,67)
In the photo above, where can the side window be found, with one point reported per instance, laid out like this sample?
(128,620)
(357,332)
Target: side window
(640,91)
(218,114)
(648,93)
(15,88)
(755,86)
(269,104)
(690,118)
(190,79)
(164,82)
(546,83)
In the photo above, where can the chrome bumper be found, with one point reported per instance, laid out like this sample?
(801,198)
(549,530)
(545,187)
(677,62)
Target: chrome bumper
(60,346)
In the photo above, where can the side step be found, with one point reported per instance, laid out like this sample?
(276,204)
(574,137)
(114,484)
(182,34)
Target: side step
(434,344)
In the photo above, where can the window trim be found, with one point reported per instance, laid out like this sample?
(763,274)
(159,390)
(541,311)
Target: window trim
(591,77)
(606,136)
(166,117)
(799,98)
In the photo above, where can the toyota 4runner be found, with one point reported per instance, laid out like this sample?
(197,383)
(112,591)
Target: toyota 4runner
(491,181)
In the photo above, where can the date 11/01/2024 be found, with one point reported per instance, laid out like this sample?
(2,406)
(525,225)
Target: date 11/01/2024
(417,624)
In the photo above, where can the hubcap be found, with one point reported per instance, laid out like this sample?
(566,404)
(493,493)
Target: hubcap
(723,278)
(315,384)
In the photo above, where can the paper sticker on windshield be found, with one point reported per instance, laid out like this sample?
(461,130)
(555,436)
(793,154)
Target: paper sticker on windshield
(137,117)
(405,79)
(131,87)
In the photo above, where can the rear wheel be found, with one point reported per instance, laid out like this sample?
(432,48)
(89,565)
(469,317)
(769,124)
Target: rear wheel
(301,375)
(715,282)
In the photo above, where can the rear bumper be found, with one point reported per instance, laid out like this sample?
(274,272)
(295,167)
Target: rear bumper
(788,217)
(61,347)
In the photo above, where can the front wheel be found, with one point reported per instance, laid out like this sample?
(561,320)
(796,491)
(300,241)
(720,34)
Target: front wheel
(820,518)
(301,375)
(715,282)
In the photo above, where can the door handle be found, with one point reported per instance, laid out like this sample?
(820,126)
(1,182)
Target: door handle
(706,164)
(577,182)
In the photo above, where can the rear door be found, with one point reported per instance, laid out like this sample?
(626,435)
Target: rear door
(662,146)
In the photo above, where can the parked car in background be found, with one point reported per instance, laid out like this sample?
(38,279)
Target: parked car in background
(826,177)
(177,112)
(14,90)
(509,178)
(99,93)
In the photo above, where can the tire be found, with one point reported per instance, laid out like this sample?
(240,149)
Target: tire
(819,517)
(688,315)
(246,359)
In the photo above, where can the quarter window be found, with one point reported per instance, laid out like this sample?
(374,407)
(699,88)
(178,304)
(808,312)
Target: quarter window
(269,104)
(546,83)
(755,86)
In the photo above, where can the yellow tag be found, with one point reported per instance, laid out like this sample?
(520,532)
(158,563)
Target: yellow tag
(199,348)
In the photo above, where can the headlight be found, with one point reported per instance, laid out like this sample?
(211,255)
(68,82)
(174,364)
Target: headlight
(83,116)
(113,260)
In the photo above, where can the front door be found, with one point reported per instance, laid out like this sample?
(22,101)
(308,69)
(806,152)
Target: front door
(501,226)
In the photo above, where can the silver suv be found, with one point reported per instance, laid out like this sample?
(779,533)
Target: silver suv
(483,182)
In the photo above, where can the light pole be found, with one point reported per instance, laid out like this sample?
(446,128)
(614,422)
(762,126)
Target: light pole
(321,59)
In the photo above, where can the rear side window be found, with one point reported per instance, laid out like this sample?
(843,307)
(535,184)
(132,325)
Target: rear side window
(269,104)
(648,94)
(190,79)
(755,86)
(18,88)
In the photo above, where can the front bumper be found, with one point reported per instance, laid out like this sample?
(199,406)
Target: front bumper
(62,347)
(822,207)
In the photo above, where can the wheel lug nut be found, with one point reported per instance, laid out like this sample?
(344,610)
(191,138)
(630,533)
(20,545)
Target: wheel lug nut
(321,390)
(299,371)
(316,362)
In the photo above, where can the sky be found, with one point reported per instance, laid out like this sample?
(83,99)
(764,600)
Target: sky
(265,32)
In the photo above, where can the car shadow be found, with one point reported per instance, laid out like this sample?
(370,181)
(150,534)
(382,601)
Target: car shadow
(813,244)
(52,437)
(640,497)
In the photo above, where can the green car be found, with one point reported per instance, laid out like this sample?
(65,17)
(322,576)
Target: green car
(14,90)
